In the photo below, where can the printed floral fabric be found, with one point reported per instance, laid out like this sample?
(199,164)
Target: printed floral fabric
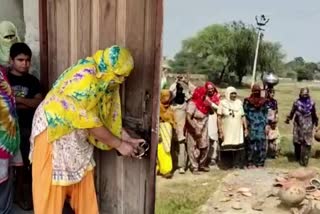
(84,96)
(72,155)
(9,128)
(87,95)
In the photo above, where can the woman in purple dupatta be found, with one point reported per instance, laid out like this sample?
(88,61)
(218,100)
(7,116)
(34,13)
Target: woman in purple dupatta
(305,119)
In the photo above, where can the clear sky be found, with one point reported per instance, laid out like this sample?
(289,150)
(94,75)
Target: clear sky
(294,23)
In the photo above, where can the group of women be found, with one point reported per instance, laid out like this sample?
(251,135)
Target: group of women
(196,131)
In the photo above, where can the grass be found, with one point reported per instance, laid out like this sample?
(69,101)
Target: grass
(184,194)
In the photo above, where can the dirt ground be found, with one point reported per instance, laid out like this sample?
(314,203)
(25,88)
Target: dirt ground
(260,194)
(17,210)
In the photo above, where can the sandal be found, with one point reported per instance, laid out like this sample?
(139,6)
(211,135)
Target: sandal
(168,175)
(195,172)
(182,171)
(204,169)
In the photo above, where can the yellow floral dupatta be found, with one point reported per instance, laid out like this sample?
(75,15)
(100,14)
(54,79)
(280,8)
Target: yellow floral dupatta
(87,95)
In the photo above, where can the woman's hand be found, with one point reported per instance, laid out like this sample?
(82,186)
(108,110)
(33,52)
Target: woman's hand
(133,141)
(198,132)
(184,80)
(287,121)
(266,130)
(221,136)
(208,101)
(136,142)
(126,149)
(246,132)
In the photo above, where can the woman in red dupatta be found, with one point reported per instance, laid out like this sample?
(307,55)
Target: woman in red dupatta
(197,130)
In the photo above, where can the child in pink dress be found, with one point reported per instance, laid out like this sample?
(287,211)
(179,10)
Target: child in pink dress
(273,137)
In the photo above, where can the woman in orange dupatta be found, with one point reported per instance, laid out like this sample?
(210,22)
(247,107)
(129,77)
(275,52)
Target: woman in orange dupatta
(166,126)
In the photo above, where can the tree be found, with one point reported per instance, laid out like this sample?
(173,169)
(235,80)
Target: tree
(243,39)
(303,70)
(271,58)
(304,75)
(296,63)
(221,51)
(207,52)
(183,61)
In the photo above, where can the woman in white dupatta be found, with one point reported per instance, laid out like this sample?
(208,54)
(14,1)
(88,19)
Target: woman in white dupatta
(8,36)
(232,127)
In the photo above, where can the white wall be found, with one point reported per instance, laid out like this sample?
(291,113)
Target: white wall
(25,15)
(31,20)
(12,10)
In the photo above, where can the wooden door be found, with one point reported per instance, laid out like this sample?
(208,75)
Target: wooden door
(73,29)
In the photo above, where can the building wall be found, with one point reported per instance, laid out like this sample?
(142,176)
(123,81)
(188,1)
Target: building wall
(31,20)
(12,10)
(24,14)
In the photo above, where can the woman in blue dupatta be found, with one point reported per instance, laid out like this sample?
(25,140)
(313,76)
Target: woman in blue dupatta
(256,112)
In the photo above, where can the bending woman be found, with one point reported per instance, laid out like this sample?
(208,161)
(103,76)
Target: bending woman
(81,110)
